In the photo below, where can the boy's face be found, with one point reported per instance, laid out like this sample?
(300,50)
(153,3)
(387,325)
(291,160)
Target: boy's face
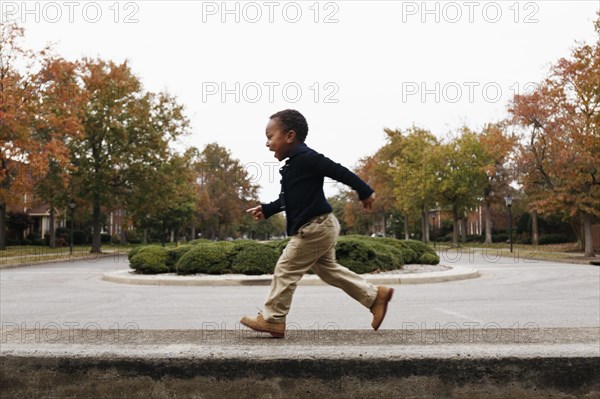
(279,141)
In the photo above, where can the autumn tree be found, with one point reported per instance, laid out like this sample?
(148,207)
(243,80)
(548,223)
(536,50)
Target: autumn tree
(374,170)
(125,130)
(412,170)
(18,91)
(461,177)
(226,190)
(58,121)
(498,148)
(559,158)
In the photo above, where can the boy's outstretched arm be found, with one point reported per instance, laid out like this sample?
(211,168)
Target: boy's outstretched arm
(322,165)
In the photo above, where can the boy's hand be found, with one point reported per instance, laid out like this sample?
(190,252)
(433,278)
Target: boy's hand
(368,202)
(256,212)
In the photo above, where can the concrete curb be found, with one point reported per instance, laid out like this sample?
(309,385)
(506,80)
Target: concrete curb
(130,277)
(68,376)
(218,363)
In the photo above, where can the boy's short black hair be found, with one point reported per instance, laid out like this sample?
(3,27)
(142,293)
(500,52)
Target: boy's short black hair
(291,119)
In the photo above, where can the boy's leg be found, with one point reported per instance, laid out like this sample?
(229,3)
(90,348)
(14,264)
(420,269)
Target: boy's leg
(339,276)
(301,253)
(374,298)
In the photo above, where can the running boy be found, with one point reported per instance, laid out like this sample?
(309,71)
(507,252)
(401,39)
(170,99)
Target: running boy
(311,225)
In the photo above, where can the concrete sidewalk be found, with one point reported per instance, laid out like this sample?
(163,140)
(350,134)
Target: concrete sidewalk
(128,276)
(214,363)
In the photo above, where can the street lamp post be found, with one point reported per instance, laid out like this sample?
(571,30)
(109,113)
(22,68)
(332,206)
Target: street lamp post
(146,222)
(508,199)
(72,205)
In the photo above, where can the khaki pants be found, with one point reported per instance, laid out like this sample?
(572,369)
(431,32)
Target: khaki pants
(313,246)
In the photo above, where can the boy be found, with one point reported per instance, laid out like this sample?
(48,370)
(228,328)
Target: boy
(311,225)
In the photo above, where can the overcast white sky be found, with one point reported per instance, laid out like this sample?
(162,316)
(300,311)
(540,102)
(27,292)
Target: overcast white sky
(351,67)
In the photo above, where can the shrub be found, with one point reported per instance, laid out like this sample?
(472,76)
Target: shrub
(501,237)
(105,238)
(150,260)
(135,250)
(418,247)
(174,254)
(357,255)
(39,242)
(388,256)
(408,254)
(429,259)
(254,258)
(79,237)
(553,239)
(446,238)
(413,252)
(207,258)
(475,238)
(278,245)
(133,237)
(33,236)
(524,238)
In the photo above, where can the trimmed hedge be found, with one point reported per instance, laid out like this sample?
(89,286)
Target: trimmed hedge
(412,252)
(254,258)
(135,250)
(553,239)
(174,254)
(149,260)
(360,254)
(408,254)
(385,257)
(204,258)
(356,254)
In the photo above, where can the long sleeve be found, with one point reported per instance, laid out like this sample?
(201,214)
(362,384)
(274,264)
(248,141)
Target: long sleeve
(325,166)
(272,208)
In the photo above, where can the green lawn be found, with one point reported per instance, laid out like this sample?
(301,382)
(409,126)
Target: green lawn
(558,252)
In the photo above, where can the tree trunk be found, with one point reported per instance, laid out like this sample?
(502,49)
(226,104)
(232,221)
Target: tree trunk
(425,237)
(96,241)
(535,235)
(193,231)
(455,227)
(145,241)
(488,223)
(2,227)
(383,222)
(406,234)
(581,243)
(463,229)
(587,227)
(52,228)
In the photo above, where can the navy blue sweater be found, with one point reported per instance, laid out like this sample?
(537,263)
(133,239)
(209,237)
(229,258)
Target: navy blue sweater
(302,196)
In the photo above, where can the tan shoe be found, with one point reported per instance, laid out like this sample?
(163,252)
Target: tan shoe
(258,323)
(379,308)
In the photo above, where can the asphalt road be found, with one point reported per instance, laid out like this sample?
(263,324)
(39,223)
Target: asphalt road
(511,294)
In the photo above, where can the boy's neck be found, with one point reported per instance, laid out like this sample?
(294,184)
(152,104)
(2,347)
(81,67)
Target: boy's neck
(293,147)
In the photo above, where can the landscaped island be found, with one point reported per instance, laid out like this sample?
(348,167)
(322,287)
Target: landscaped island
(360,254)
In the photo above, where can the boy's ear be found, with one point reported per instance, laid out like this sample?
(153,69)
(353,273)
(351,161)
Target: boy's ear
(290,136)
